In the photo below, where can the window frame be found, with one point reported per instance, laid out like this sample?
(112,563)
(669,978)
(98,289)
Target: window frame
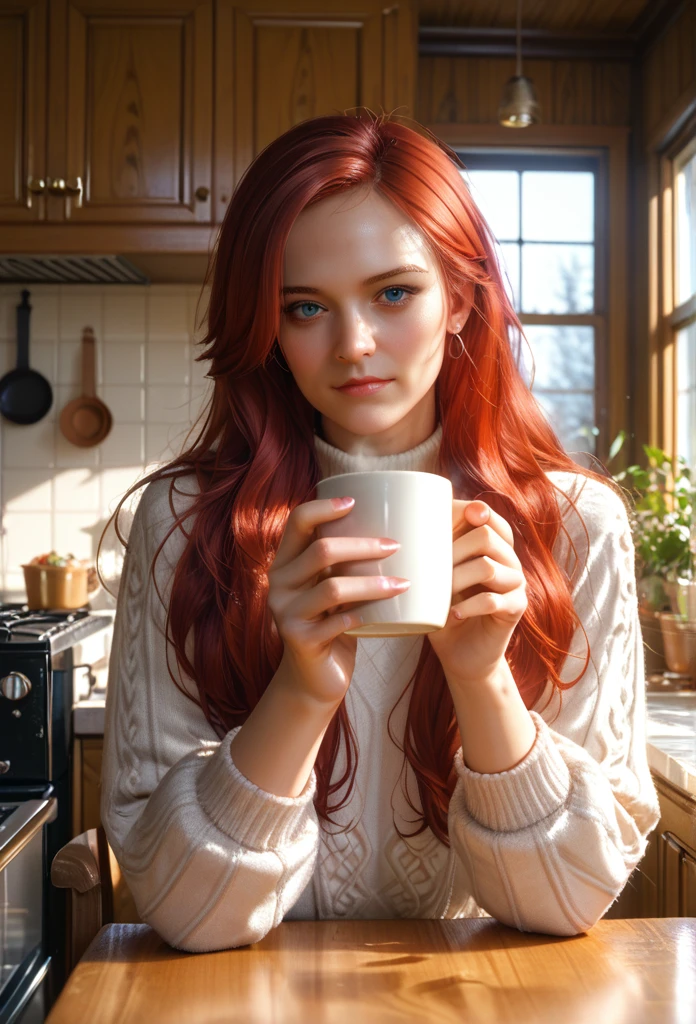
(490,158)
(669,318)
(610,145)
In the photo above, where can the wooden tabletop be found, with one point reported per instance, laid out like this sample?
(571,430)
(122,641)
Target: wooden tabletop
(472,971)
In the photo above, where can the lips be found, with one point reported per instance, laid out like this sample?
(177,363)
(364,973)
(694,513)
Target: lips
(364,380)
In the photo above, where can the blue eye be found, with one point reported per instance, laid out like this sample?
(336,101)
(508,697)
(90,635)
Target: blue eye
(388,290)
(303,305)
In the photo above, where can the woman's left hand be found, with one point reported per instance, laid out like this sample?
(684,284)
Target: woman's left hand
(488,595)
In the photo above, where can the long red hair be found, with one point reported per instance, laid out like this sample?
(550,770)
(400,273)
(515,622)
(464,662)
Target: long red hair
(254,456)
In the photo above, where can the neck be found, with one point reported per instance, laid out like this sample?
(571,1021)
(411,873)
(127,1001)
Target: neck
(424,457)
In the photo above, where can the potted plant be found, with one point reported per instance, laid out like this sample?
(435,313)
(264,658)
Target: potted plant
(664,537)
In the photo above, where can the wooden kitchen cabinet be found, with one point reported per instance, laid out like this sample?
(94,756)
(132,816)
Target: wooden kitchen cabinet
(87,765)
(23,86)
(676,853)
(282,61)
(125,105)
(133,135)
(664,883)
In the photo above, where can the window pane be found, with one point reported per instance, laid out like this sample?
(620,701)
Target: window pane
(496,193)
(557,278)
(558,206)
(509,257)
(686,231)
(686,395)
(568,413)
(563,357)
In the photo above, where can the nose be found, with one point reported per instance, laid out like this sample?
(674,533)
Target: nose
(354,339)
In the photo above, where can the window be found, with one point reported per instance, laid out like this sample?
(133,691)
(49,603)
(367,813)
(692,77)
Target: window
(683,317)
(543,212)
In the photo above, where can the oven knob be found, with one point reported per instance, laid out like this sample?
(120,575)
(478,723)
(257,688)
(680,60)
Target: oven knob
(15,686)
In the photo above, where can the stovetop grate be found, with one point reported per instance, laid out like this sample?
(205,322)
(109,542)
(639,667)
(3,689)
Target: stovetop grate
(18,620)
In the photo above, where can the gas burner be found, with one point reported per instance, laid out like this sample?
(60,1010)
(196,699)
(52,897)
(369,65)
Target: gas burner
(18,620)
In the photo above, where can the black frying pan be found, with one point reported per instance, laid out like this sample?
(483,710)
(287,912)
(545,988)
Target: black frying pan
(25,395)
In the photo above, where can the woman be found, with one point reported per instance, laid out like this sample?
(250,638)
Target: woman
(257,775)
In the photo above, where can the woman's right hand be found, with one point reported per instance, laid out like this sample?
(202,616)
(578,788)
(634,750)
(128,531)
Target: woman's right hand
(306,606)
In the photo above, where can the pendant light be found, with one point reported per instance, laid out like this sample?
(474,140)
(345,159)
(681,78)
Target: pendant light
(519,106)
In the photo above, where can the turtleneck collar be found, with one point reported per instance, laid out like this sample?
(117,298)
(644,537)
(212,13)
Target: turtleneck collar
(423,458)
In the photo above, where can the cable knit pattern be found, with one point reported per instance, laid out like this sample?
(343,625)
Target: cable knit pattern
(215,862)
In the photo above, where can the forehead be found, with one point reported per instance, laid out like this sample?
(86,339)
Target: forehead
(353,234)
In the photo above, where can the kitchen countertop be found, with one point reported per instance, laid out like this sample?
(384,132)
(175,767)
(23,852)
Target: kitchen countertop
(671,732)
(671,736)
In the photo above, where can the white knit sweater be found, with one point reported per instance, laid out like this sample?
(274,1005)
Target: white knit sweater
(215,862)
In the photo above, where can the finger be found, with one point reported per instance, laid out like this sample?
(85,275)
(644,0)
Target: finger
(486,570)
(343,590)
(484,540)
(478,513)
(317,562)
(509,607)
(300,527)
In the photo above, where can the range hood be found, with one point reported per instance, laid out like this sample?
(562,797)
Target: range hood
(22,269)
(140,268)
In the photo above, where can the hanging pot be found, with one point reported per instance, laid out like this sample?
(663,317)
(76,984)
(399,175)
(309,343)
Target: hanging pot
(25,395)
(86,421)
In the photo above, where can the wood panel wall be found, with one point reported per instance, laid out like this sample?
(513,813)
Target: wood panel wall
(571,92)
(668,107)
(668,77)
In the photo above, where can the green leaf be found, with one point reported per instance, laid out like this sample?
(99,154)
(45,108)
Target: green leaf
(656,456)
(617,444)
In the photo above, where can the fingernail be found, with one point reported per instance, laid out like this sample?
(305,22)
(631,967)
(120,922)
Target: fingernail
(388,545)
(342,502)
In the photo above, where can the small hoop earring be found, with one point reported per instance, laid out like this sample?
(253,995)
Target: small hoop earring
(276,350)
(461,350)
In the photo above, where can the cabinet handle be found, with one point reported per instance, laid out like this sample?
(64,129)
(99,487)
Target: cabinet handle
(61,187)
(35,187)
(202,193)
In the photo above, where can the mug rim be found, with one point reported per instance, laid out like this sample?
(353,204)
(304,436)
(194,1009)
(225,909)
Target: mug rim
(385,472)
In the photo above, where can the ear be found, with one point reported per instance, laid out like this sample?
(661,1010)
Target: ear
(461,309)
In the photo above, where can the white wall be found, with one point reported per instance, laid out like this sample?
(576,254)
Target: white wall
(54,494)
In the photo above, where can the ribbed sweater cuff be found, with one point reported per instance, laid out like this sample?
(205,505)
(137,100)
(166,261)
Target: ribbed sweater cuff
(255,819)
(523,795)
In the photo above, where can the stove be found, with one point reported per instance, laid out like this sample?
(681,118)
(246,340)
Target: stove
(40,653)
(59,629)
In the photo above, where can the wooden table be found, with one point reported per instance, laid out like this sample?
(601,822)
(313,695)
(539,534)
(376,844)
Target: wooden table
(378,972)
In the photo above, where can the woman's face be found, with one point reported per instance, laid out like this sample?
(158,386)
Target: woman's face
(346,313)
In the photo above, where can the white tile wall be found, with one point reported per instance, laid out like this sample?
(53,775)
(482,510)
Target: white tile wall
(54,494)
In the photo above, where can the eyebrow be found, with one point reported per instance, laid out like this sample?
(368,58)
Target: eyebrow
(408,268)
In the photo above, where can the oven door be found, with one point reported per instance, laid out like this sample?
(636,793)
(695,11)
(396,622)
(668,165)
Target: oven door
(23,959)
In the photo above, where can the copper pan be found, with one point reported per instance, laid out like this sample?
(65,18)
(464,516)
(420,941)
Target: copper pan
(86,421)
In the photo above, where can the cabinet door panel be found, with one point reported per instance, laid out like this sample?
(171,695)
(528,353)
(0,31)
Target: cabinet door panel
(23,27)
(139,111)
(318,67)
(276,66)
(671,857)
(688,885)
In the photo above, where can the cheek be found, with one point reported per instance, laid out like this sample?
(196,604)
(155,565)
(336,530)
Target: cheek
(301,351)
(423,330)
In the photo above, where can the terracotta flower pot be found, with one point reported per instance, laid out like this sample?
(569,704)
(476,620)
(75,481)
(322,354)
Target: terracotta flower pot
(679,636)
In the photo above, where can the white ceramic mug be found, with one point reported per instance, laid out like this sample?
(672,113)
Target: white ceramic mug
(414,509)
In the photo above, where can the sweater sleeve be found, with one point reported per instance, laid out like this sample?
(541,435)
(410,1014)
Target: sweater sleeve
(550,844)
(212,860)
